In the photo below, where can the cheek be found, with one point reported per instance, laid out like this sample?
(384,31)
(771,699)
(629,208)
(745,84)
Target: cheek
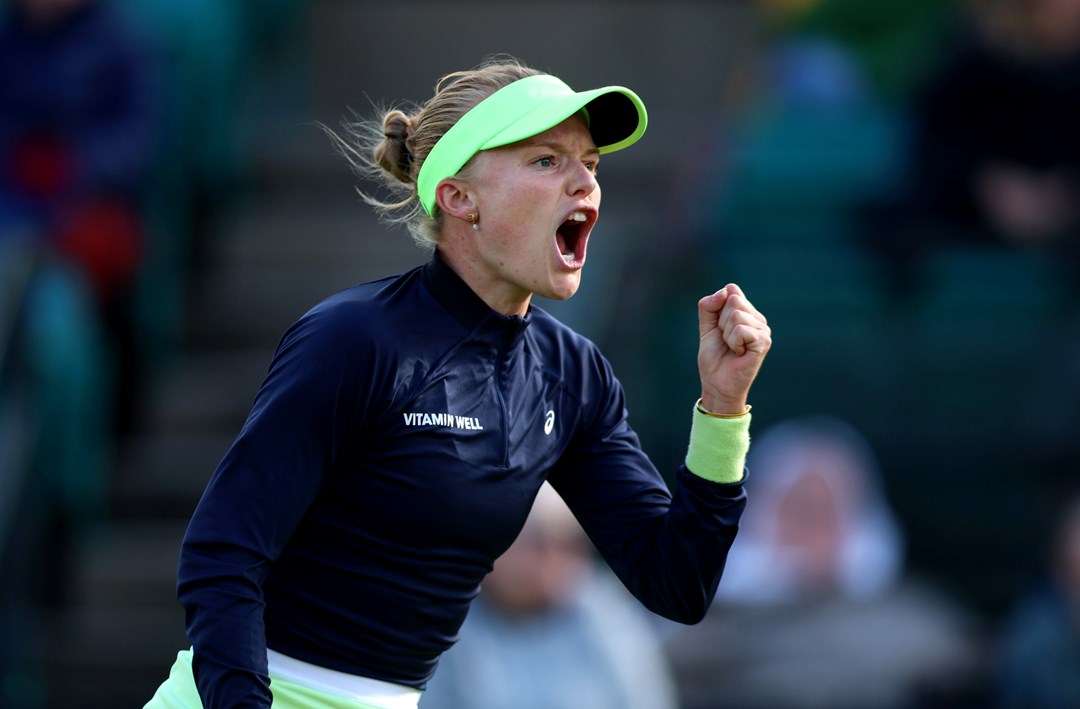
(526,231)
(516,212)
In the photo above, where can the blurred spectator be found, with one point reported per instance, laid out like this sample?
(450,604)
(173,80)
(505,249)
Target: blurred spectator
(551,629)
(813,127)
(814,609)
(54,446)
(77,138)
(1040,649)
(996,155)
(894,42)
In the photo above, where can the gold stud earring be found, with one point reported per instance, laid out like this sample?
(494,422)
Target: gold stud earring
(472,219)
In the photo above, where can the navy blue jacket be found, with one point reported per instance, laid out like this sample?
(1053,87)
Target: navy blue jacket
(392,454)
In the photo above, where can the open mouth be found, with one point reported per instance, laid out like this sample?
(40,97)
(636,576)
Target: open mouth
(572,236)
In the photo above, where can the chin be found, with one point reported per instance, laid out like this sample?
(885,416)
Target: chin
(562,291)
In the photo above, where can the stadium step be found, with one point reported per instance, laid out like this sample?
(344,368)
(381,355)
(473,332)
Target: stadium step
(129,565)
(116,632)
(278,259)
(164,474)
(208,391)
(105,657)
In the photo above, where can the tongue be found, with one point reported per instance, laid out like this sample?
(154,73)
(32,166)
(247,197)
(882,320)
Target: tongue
(560,240)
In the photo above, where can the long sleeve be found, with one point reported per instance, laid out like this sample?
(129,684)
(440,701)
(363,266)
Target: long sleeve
(669,550)
(303,416)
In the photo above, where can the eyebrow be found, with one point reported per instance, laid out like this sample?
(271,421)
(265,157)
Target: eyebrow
(560,147)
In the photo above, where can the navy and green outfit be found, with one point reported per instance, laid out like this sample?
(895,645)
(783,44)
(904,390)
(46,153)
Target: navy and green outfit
(392,453)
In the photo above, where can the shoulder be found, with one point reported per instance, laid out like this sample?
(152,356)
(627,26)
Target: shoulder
(353,307)
(357,318)
(383,317)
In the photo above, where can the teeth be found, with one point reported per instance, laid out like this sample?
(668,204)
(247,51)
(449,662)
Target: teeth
(577,217)
(569,256)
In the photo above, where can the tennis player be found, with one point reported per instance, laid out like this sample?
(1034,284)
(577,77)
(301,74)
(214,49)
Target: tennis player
(406,425)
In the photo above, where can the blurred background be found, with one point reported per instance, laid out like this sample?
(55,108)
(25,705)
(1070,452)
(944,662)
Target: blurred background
(895,184)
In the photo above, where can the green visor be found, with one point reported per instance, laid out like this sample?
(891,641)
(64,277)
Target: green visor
(616,118)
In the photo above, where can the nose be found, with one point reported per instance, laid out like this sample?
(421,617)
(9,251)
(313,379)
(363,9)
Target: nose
(583,182)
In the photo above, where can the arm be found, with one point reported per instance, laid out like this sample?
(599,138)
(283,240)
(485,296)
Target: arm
(669,550)
(303,415)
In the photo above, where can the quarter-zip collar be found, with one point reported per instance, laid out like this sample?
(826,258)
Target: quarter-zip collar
(465,305)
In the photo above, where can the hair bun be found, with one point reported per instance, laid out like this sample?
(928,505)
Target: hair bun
(393,154)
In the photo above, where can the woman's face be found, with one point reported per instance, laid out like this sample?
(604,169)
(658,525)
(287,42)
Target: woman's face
(537,200)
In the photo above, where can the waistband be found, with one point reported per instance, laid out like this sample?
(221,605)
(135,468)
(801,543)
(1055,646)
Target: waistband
(386,695)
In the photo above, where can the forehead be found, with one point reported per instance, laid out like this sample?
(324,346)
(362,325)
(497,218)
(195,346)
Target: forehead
(572,135)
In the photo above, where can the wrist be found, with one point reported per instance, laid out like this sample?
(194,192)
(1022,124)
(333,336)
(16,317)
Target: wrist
(718,446)
(702,409)
(723,406)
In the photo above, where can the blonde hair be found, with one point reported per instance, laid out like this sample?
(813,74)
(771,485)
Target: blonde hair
(390,150)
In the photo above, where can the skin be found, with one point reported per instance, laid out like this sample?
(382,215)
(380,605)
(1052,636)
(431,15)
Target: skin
(521,194)
(1025,204)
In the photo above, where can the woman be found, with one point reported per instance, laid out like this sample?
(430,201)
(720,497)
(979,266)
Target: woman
(405,426)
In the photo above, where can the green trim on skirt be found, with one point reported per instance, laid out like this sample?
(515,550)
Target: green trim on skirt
(179,692)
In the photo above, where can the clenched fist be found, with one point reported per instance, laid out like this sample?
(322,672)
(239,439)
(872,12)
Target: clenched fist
(734,340)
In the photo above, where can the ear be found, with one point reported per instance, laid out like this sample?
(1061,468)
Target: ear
(455,198)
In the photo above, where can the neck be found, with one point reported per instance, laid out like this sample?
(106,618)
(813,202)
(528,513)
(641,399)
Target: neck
(499,296)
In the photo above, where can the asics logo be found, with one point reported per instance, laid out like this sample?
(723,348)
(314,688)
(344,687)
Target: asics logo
(549,423)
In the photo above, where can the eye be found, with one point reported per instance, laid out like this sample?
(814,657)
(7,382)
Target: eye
(592,166)
(546,161)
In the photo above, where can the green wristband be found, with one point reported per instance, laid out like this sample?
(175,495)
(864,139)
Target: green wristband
(718,447)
